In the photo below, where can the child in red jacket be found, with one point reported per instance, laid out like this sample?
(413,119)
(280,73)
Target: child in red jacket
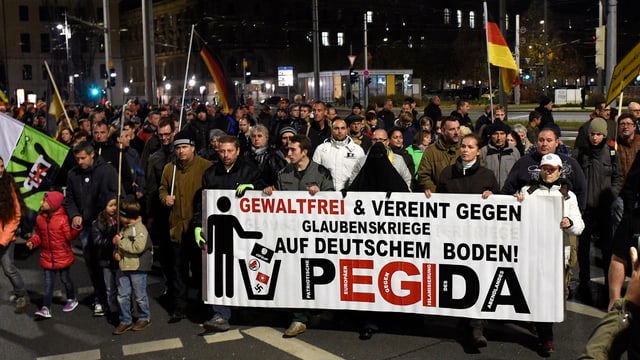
(54,234)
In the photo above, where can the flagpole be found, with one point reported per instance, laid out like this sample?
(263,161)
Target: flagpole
(184,91)
(55,88)
(486,32)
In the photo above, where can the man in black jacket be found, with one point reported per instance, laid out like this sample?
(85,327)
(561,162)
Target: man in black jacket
(231,172)
(89,183)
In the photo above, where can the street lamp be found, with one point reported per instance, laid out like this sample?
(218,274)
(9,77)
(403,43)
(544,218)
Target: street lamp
(125,92)
(368,18)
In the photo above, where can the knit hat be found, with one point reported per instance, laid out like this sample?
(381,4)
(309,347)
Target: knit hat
(183,137)
(552,160)
(54,199)
(598,125)
(498,125)
(287,129)
(201,108)
(356,105)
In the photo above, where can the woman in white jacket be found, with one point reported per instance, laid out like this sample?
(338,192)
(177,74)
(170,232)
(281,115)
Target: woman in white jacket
(551,183)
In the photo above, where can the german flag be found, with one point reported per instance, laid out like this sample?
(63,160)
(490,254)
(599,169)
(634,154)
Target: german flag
(218,77)
(500,55)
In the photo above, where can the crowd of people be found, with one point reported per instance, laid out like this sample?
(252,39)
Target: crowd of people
(153,164)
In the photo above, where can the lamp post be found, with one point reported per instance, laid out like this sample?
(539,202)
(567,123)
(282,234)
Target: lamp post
(65,30)
(368,18)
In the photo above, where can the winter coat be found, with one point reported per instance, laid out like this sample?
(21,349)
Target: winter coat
(340,157)
(601,167)
(435,158)
(135,247)
(188,182)
(102,239)
(474,180)
(55,237)
(500,161)
(89,189)
(217,177)
(289,178)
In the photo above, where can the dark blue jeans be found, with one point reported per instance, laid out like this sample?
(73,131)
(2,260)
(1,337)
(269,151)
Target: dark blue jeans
(10,270)
(50,281)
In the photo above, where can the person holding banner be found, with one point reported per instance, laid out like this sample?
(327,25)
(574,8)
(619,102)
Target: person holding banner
(550,183)
(231,172)
(467,176)
(301,174)
(180,183)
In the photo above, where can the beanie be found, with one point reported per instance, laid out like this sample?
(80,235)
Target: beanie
(54,199)
(598,125)
(287,129)
(183,137)
(544,100)
(498,125)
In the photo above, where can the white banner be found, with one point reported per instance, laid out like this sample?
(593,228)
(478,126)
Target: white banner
(456,255)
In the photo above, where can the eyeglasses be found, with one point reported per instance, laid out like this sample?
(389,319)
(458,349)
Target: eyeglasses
(379,140)
(627,124)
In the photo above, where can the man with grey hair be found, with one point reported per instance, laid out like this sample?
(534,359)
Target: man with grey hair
(263,156)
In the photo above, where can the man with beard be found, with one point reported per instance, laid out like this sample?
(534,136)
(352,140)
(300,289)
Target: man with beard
(441,154)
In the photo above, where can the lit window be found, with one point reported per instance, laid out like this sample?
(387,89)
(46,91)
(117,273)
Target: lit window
(447,16)
(325,38)
(340,39)
(472,20)
(459,18)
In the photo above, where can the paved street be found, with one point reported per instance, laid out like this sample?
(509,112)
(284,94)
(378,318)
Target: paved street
(255,334)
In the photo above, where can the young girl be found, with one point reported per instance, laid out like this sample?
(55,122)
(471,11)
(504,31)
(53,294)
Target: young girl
(103,229)
(54,234)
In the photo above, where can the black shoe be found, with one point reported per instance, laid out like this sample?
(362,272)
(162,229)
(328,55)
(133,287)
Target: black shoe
(366,333)
(176,316)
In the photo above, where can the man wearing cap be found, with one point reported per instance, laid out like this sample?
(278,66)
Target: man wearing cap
(628,141)
(356,131)
(498,155)
(286,133)
(231,172)
(527,168)
(545,109)
(601,167)
(188,171)
(356,109)
(550,182)
(602,111)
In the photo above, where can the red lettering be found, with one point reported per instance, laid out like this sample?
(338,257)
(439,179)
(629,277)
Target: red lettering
(348,279)
(386,290)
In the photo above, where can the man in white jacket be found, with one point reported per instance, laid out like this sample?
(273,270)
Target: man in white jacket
(339,154)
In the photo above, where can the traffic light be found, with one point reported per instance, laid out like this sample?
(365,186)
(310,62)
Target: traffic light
(247,77)
(368,81)
(112,77)
(94,91)
(353,76)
